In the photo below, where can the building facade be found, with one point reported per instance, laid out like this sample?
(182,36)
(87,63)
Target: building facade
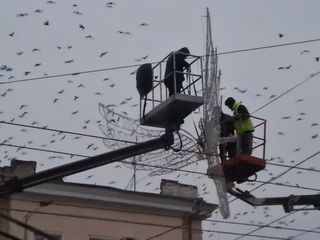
(70,211)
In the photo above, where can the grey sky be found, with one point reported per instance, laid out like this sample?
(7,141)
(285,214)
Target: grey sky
(170,25)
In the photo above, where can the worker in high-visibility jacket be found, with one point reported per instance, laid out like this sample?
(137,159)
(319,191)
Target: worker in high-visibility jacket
(242,124)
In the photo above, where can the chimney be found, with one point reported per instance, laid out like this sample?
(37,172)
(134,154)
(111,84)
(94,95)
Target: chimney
(19,169)
(176,189)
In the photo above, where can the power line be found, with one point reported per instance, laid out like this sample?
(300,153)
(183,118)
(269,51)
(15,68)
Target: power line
(260,225)
(137,65)
(171,227)
(287,91)
(307,231)
(155,166)
(68,132)
(71,74)
(280,175)
(131,142)
(269,46)
(285,216)
(250,234)
(286,171)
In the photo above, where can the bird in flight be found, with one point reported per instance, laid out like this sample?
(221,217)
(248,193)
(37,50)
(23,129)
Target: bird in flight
(143,24)
(240,90)
(110,4)
(102,54)
(304,51)
(285,67)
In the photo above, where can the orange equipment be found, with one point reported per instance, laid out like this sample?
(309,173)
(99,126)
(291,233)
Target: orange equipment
(240,167)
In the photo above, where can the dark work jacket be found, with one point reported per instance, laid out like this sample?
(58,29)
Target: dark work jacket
(181,64)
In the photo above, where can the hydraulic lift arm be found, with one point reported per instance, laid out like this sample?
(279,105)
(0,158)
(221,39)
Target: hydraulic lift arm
(17,185)
(288,203)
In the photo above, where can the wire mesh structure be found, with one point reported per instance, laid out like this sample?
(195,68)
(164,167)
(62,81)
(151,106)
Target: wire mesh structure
(121,127)
(210,124)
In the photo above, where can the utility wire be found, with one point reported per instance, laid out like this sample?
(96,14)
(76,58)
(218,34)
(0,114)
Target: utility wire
(307,231)
(131,142)
(68,132)
(137,65)
(148,224)
(286,171)
(287,91)
(270,46)
(155,166)
(285,216)
(261,225)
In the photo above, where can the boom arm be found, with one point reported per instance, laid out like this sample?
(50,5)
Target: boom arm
(288,203)
(17,185)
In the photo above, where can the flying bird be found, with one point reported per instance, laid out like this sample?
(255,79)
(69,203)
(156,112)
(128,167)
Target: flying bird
(110,4)
(77,12)
(125,33)
(69,61)
(81,27)
(285,67)
(304,51)
(143,24)
(102,54)
(22,14)
(240,90)
(46,23)
(90,145)
(89,36)
(280,35)
(38,11)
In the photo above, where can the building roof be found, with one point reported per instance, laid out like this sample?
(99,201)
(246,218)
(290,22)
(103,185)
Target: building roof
(85,195)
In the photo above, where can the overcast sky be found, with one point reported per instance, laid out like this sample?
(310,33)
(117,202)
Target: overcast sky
(48,38)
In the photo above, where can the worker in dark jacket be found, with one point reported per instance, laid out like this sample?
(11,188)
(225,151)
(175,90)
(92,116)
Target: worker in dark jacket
(227,130)
(242,124)
(176,63)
